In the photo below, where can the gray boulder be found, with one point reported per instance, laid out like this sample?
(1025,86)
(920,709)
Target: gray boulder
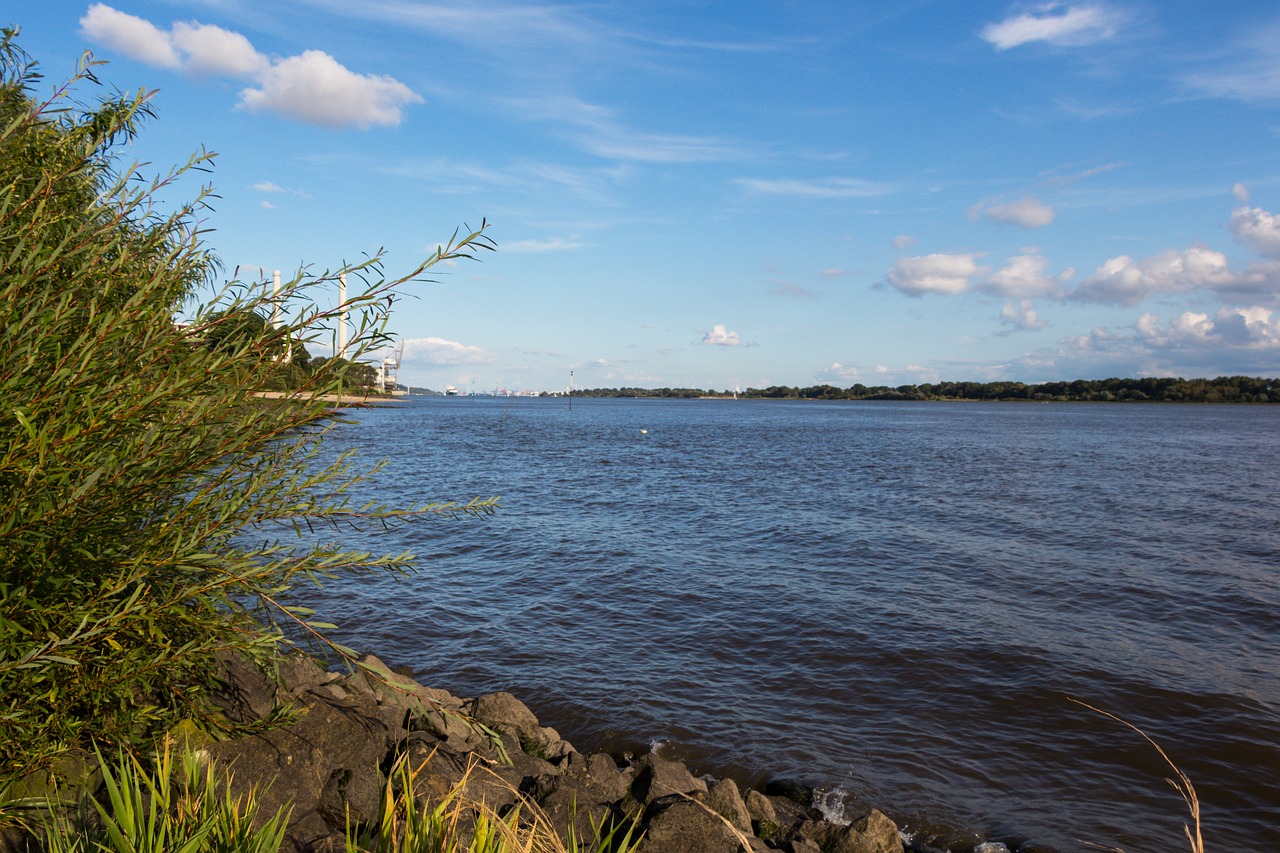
(657,777)
(686,826)
(726,800)
(326,763)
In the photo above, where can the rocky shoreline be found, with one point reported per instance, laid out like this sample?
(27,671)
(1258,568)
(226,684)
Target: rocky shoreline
(332,761)
(331,764)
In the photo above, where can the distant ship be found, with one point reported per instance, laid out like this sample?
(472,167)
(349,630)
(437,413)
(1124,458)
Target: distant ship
(450,391)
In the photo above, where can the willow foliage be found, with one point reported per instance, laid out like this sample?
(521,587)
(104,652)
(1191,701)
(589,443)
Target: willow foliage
(149,501)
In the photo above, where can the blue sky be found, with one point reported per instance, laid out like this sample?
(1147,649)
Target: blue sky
(713,195)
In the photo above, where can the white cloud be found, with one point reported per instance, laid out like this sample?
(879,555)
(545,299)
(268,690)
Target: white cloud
(315,88)
(1257,229)
(1025,213)
(438,351)
(1241,192)
(1020,316)
(903,241)
(838,373)
(312,87)
(823,188)
(208,49)
(1024,277)
(271,187)
(722,337)
(937,273)
(1124,281)
(1073,27)
(132,36)
(1237,328)
(1096,340)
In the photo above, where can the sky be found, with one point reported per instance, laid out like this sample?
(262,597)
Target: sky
(720,195)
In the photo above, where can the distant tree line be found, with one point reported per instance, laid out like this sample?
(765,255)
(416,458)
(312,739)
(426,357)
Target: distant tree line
(1223,389)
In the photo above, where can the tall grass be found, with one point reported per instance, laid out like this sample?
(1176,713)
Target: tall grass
(179,803)
(169,805)
(461,823)
(1180,781)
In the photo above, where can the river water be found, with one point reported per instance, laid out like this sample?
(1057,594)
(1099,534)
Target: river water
(892,601)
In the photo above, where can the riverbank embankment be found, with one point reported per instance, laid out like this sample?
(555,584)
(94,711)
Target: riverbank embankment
(329,767)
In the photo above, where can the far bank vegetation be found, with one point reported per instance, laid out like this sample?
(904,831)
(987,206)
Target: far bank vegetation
(1223,389)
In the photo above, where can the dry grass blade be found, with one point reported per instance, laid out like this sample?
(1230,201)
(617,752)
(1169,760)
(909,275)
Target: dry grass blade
(1181,781)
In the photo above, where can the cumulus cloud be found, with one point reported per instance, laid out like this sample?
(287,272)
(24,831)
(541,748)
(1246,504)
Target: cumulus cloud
(1097,339)
(839,373)
(1073,26)
(131,35)
(1024,276)
(937,273)
(721,337)
(438,351)
(1238,328)
(1025,213)
(312,87)
(1021,316)
(1241,192)
(1257,229)
(207,49)
(1124,281)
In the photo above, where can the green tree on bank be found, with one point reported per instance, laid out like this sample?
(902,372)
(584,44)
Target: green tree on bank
(150,504)
(1222,389)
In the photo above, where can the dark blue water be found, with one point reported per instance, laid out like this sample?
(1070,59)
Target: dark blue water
(893,601)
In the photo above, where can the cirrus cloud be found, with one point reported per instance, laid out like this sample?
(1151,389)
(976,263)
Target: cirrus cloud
(1075,26)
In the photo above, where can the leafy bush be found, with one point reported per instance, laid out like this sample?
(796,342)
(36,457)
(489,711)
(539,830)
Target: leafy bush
(144,486)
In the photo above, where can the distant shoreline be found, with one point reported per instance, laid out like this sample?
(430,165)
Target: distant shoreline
(342,399)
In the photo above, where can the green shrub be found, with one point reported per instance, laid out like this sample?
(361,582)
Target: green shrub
(149,501)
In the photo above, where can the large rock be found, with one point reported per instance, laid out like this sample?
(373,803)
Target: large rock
(686,826)
(600,773)
(504,713)
(657,777)
(873,833)
(242,690)
(571,806)
(726,800)
(325,764)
